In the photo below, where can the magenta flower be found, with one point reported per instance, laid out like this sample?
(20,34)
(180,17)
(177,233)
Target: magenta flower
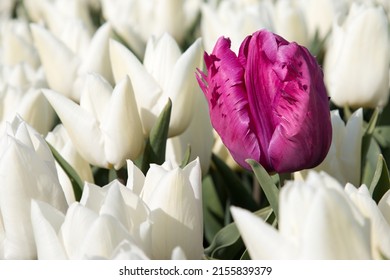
(269,103)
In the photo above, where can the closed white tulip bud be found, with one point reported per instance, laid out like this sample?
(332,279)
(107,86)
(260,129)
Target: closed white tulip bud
(66,64)
(233,19)
(136,21)
(20,94)
(27,171)
(174,197)
(317,220)
(17,44)
(165,73)
(105,128)
(80,234)
(356,65)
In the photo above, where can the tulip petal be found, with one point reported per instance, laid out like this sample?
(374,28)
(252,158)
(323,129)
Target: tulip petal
(60,69)
(47,221)
(180,88)
(160,58)
(122,127)
(260,238)
(225,92)
(82,127)
(175,217)
(97,59)
(136,178)
(146,89)
(96,95)
(384,206)
(330,213)
(102,238)
(379,227)
(74,230)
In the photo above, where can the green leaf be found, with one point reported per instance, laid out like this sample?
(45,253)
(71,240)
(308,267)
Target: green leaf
(186,157)
(367,146)
(382,135)
(381,180)
(369,164)
(213,213)
(227,243)
(267,184)
(77,183)
(157,142)
(238,194)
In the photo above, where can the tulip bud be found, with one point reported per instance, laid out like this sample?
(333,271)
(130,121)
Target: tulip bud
(269,103)
(174,196)
(357,60)
(105,128)
(27,171)
(317,220)
(166,73)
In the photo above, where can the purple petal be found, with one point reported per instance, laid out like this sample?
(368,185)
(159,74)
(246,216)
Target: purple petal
(257,53)
(225,92)
(301,111)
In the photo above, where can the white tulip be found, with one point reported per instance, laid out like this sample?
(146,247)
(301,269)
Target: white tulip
(234,19)
(320,14)
(356,65)
(67,65)
(16,44)
(174,196)
(137,20)
(125,206)
(60,140)
(20,94)
(27,171)
(55,13)
(80,234)
(166,73)
(343,161)
(317,220)
(105,128)
(289,22)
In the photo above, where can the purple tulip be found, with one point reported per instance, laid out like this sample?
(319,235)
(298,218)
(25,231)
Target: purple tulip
(269,103)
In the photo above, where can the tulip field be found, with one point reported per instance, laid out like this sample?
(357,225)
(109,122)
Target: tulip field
(194,130)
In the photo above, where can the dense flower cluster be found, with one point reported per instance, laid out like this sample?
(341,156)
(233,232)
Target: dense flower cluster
(148,129)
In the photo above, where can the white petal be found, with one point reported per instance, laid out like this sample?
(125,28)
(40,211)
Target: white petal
(384,206)
(96,95)
(74,230)
(59,62)
(122,127)
(181,87)
(175,215)
(82,128)
(102,238)
(146,89)
(262,240)
(97,59)
(46,221)
(136,178)
(161,56)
